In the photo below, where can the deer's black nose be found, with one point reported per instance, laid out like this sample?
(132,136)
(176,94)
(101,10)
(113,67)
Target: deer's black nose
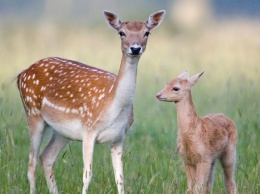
(135,50)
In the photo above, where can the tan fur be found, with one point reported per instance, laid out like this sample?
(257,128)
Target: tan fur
(80,102)
(201,140)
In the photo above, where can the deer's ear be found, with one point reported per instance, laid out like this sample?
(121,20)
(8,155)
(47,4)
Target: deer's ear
(112,19)
(193,80)
(155,19)
(184,75)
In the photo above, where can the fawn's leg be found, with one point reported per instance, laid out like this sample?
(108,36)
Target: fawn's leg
(190,173)
(202,176)
(228,161)
(117,150)
(210,182)
(36,127)
(48,157)
(88,150)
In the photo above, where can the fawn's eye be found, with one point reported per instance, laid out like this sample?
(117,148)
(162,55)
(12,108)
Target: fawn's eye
(146,34)
(176,89)
(122,34)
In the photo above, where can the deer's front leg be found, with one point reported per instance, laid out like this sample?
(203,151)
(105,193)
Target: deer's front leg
(117,149)
(88,150)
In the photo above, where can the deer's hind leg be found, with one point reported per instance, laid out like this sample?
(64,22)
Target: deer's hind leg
(36,127)
(48,157)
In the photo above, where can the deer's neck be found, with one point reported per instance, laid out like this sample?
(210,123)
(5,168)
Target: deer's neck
(186,115)
(125,84)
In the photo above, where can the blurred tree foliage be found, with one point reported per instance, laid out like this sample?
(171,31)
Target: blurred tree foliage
(80,10)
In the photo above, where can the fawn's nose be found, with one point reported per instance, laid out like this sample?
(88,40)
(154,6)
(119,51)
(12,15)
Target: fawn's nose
(158,95)
(135,50)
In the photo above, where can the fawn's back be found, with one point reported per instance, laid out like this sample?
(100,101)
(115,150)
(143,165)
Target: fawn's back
(210,136)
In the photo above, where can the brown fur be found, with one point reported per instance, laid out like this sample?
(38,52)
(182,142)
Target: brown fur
(201,141)
(69,84)
(83,103)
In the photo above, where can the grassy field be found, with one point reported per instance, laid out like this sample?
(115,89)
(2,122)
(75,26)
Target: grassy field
(229,52)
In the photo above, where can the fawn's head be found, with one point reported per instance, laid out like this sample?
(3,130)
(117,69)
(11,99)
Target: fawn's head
(134,35)
(178,88)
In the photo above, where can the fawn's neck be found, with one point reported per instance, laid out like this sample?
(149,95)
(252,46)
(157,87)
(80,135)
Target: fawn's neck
(124,88)
(186,115)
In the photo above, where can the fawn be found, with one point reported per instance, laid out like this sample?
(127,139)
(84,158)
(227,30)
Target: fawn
(84,103)
(201,141)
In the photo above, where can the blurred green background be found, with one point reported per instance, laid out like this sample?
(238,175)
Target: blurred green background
(220,37)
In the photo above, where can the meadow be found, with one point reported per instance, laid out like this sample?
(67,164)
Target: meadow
(228,51)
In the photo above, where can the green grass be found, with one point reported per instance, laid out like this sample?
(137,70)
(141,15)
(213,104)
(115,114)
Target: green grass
(229,52)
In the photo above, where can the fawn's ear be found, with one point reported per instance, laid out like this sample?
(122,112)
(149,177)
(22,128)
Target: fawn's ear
(193,80)
(155,19)
(184,75)
(112,20)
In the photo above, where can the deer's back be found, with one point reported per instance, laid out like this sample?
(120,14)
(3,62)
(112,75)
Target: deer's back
(67,86)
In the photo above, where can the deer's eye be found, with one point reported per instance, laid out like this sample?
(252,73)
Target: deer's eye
(146,34)
(122,34)
(176,89)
